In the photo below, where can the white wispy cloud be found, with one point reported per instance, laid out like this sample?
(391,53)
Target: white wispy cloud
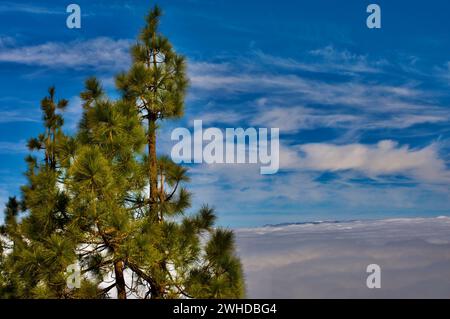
(243,76)
(291,99)
(346,61)
(325,60)
(13,147)
(29,8)
(9,116)
(349,93)
(98,53)
(297,118)
(6,41)
(294,119)
(444,72)
(384,158)
(225,117)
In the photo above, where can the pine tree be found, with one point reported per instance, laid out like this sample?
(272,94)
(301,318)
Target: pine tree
(156,85)
(40,251)
(103,198)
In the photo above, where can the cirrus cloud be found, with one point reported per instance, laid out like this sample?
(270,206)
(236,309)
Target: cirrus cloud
(101,53)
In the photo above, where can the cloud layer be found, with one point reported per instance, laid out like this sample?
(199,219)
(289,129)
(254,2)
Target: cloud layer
(329,260)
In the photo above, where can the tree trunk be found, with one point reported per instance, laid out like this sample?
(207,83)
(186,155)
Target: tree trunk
(120,281)
(152,136)
(152,161)
(157,292)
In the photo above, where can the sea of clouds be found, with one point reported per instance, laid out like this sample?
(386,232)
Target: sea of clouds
(329,259)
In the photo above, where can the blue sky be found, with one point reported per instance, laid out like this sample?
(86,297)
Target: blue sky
(363,114)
